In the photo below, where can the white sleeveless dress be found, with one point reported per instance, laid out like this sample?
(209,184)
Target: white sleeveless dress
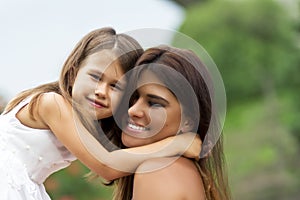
(27,157)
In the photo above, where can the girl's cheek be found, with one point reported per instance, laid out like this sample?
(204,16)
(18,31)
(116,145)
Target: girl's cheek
(115,99)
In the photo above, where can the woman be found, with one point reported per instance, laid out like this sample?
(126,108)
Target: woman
(171,92)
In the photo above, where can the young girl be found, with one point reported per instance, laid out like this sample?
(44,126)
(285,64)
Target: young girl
(39,129)
(172,93)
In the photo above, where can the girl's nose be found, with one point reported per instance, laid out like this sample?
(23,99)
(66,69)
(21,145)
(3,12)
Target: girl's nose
(101,90)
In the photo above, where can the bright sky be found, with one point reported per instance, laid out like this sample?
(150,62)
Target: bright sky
(37,36)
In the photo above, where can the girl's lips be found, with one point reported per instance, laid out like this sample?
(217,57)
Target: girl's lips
(97,104)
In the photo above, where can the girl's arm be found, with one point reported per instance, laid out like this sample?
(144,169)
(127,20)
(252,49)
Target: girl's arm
(57,114)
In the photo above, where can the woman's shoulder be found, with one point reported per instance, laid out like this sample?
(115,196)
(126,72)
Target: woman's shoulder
(170,166)
(175,177)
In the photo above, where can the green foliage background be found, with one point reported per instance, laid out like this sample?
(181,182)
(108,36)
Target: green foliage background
(72,183)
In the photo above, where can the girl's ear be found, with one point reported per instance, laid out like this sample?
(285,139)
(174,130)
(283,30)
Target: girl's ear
(187,125)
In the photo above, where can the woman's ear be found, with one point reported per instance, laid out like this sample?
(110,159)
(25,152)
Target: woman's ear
(187,125)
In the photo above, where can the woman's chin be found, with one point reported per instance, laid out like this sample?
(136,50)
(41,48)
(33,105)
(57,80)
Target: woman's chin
(130,141)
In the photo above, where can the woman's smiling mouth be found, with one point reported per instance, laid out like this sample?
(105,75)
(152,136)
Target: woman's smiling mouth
(137,127)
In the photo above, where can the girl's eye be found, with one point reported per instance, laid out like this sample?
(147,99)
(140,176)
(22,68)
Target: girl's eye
(95,77)
(117,87)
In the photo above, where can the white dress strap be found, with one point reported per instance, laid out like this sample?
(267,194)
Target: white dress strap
(18,107)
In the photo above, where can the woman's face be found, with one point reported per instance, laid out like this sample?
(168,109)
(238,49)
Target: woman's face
(154,115)
(96,87)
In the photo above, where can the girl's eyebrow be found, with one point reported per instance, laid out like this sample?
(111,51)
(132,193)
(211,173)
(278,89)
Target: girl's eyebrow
(97,71)
(153,96)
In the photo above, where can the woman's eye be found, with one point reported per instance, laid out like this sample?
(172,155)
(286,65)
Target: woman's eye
(155,104)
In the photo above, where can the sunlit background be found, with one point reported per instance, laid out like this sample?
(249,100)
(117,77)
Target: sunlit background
(255,44)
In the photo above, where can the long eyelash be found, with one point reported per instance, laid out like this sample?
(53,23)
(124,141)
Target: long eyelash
(155,104)
(96,77)
(117,86)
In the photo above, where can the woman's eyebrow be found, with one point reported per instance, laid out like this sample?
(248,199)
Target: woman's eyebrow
(152,96)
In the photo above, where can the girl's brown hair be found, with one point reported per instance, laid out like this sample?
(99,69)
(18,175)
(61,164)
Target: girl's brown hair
(126,49)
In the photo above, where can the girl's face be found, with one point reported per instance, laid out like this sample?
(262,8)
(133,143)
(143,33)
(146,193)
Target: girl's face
(154,115)
(96,87)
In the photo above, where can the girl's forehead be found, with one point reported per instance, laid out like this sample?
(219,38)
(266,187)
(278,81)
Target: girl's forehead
(103,58)
(104,54)
(102,63)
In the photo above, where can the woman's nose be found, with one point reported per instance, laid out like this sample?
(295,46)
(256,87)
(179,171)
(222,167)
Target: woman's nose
(137,109)
(101,90)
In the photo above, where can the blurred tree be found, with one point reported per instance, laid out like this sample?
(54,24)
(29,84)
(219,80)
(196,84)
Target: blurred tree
(255,46)
(70,183)
(294,88)
(188,3)
(252,43)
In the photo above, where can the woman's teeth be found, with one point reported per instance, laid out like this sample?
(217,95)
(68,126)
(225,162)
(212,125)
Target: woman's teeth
(135,127)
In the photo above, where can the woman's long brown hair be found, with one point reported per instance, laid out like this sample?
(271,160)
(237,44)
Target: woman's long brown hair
(212,167)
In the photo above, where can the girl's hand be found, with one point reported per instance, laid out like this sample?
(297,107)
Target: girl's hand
(191,144)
